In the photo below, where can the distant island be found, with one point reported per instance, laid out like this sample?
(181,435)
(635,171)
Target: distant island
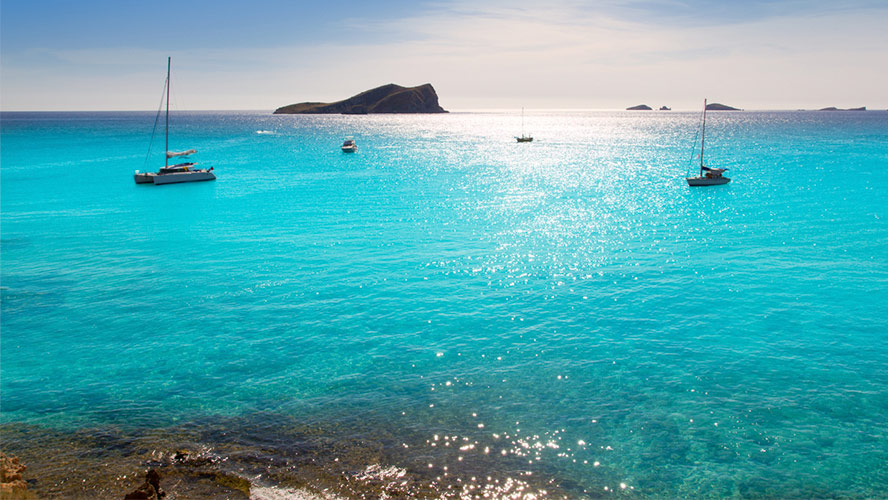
(832,108)
(389,98)
(720,107)
(640,107)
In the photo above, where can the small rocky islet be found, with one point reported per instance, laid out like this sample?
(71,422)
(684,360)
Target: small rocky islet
(833,108)
(715,106)
(709,107)
(387,99)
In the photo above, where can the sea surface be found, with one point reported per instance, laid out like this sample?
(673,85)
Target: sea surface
(448,312)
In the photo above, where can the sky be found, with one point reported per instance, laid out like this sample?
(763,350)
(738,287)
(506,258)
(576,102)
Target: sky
(478,54)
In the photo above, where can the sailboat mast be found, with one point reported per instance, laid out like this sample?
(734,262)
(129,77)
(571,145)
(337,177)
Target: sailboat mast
(703,139)
(522,122)
(166,156)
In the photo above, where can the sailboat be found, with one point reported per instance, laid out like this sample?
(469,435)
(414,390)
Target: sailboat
(180,172)
(523,138)
(708,176)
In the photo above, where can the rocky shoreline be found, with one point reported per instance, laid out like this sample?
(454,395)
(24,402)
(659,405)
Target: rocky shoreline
(233,458)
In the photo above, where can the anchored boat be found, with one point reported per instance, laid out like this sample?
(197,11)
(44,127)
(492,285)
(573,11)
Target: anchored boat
(180,172)
(708,176)
(523,138)
(349,145)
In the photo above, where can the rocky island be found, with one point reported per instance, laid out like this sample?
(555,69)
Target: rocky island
(720,107)
(389,98)
(640,107)
(833,108)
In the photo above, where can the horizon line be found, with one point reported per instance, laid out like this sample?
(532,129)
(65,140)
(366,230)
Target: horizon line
(450,111)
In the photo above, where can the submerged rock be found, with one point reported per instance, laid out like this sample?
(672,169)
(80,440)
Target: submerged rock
(389,98)
(11,483)
(150,489)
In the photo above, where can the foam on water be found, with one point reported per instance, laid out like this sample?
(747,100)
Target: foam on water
(447,302)
(272,493)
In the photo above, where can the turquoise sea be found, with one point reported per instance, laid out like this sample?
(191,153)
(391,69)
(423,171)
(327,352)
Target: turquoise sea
(447,312)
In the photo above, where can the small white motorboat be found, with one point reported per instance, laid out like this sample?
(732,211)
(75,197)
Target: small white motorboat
(349,145)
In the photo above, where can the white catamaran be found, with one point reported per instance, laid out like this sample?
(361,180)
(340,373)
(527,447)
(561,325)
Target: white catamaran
(180,172)
(708,176)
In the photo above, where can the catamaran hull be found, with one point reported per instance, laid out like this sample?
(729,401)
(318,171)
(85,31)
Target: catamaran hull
(178,177)
(707,181)
(173,178)
(144,178)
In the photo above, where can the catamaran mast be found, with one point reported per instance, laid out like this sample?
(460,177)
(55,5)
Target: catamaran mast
(166,156)
(703,139)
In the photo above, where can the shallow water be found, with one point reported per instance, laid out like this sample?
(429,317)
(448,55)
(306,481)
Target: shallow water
(567,311)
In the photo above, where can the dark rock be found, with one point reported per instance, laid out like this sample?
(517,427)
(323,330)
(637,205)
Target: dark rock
(144,492)
(389,98)
(153,478)
(720,107)
(640,107)
(149,490)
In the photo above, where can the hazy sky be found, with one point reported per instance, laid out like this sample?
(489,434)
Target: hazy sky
(261,54)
